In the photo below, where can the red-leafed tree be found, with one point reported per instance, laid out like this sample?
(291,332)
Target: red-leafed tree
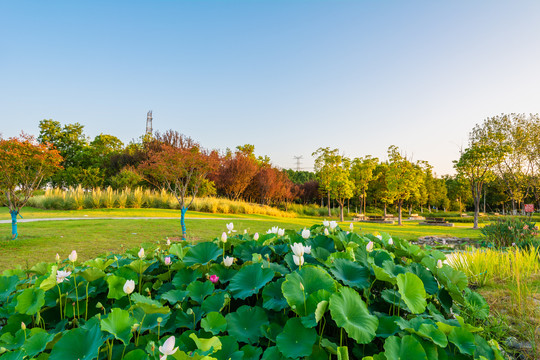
(181,169)
(236,172)
(24,163)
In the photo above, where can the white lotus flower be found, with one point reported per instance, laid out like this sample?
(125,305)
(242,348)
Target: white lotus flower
(224,237)
(141,254)
(168,242)
(129,286)
(245,231)
(57,257)
(333,225)
(439,264)
(228,261)
(168,348)
(230,227)
(307,249)
(306,233)
(369,246)
(379,236)
(298,260)
(61,276)
(273,230)
(390,241)
(73,256)
(326,223)
(256,236)
(326,232)
(281,232)
(298,249)
(351,226)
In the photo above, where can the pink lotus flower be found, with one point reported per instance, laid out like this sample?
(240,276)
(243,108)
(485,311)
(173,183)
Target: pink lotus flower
(168,260)
(526,227)
(214,279)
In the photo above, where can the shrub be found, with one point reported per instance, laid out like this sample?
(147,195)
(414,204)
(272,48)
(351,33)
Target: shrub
(510,232)
(350,295)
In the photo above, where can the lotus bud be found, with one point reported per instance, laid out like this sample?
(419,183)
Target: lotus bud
(439,264)
(168,260)
(305,234)
(281,232)
(256,236)
(390,241)
(326,232)
(141,254)
(245,231)
(224,237)
(23,326)
(57,257)
(73,256)
(351,226)
(307,249)
(129,286)
(326,223)
(228,261)
(168,347)
(214,279)
(301,286)
(168,242)
(99,305)
(369,246)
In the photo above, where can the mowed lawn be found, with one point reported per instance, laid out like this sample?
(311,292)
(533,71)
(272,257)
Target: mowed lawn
(40,241)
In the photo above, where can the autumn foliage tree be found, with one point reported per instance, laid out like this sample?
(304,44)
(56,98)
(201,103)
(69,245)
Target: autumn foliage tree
(24,163)
(235,173)
(180,170)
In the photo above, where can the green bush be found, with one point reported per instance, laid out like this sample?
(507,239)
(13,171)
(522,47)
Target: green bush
(352,296)
(510,231)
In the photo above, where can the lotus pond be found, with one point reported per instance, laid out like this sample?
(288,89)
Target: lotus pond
(319,293)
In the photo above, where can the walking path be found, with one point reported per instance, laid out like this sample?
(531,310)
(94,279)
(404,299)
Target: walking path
(115,218)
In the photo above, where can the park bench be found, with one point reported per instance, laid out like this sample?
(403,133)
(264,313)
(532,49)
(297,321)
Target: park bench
(436,221)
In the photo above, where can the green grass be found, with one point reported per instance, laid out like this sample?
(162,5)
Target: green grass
(40,241)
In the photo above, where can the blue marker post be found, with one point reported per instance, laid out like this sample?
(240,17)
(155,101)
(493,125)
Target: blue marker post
(14,233)
(183,222)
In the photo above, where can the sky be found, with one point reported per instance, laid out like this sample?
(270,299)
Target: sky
(286,76)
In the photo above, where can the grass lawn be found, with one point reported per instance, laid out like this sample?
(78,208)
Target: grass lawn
(40,241)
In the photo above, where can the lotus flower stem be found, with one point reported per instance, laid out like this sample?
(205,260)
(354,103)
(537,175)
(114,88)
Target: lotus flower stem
(60,301)
(86,311)
(140,277)
(76,294)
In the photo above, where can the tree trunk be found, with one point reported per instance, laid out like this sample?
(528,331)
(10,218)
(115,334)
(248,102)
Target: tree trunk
(476,208)
(183,222)
(385,209)
(364,200)
(341,206)
(399,212)
(329,211)
(14,233)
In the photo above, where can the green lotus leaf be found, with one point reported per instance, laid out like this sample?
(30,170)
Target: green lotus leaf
(189,321)
(140,265)
(199,290)
(463,339)
(483,349)
(251,352)
(174,296)
(213,344)
(245,324)
(381,256)
(30,301)
(225,273)
(382,275)
(214,323)
(178,250)
(272,353)
(184,277)
(249,280)
(229,349)
(119,323)
(14,355)
(202,254)
(8,284)
(137,354)
(99,263)
(350,312)
(41,268)
(476,304)
(273,297)
(92,274)
(116,287)
(37,343)
(215,303)
(412,292)
(431,332)
(50,281)
(149,321)
(128,274)
(148,305)
(351,273)
(448,276)
(296,341)
(78,344)
(405,348)
(321,310)
(430,284)
(311,279)
(387,326)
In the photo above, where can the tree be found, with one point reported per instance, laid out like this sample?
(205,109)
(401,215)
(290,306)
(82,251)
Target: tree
(362,174)
(182,171)
(458,190)
(403,178)
(236,172)
(333,170)
(23,165)
(476,165)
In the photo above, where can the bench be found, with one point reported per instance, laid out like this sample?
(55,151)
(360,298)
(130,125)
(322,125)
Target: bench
(436,221)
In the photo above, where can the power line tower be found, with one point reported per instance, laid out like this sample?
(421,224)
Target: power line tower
(298,158)
(149,123)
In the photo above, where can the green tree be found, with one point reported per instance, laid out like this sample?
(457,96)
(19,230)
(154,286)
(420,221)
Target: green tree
(333,170)
(362,174)
(403,178)
(23,165)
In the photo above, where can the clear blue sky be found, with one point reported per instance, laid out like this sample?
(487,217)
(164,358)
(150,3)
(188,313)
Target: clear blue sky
(286,76)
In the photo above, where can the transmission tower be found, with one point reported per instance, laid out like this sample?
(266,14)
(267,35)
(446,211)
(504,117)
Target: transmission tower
(298,158)
(149,123)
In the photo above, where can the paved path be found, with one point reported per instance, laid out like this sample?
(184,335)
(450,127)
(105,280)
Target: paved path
(116,218)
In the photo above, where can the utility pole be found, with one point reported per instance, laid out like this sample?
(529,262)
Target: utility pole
(298,158)
(149,123)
